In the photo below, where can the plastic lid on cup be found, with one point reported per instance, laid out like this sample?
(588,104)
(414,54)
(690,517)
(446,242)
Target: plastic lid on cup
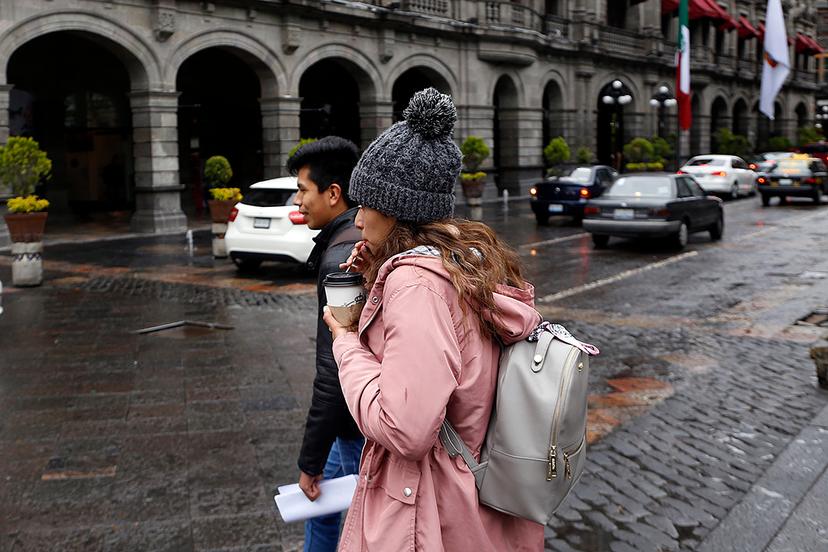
(343,279)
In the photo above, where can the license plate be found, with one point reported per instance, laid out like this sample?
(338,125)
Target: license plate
(623,214)
(260,222)
(555,208)
(784,181)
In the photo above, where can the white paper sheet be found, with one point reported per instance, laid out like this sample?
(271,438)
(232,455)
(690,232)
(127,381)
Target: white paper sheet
(336,495)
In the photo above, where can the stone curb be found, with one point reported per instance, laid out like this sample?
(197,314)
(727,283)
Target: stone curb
(770,512)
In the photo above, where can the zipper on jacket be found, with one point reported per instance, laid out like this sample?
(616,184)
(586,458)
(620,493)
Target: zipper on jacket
(552,461)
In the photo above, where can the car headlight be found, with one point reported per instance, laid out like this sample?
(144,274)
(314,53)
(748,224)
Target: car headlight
(533,191)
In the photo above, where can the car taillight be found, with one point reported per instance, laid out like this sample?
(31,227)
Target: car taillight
(680,172)
(585,193)
(591,210)
(752,166)
(233,214)
(719,173)
(659,212)
(761,180)
(810,180)
(296,217)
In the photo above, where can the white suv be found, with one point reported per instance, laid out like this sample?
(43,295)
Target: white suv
(266,226)
(726,175)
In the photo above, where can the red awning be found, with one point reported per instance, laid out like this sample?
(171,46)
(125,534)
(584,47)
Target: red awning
(746,30)
(807,45)
(703,9)
(817,49)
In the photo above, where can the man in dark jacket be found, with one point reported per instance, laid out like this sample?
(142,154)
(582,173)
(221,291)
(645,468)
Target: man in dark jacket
(332,444)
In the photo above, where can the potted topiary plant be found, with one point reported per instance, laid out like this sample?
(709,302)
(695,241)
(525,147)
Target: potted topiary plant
(472,179)
(556,153)
(22,165)
(217,173)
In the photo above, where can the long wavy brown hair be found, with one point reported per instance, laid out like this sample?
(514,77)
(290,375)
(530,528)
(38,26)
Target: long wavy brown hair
(475,258)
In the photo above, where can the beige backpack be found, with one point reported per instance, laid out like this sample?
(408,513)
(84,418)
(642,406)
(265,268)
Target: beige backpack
(535,445)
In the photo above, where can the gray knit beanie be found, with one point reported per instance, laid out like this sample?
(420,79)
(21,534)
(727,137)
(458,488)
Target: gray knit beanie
(410,170)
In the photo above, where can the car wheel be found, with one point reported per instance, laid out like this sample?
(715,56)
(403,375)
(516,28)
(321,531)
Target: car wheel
(543,220)
(717,229)
(765,200)
(600,241)
(680,237)
(734,191)
(247,265)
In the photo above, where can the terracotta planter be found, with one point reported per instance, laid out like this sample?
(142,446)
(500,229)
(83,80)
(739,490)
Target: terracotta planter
(26,227)
(220,210)
(473,188)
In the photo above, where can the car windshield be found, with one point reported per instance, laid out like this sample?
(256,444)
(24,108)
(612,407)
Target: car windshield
(703,161)
(268,197)
(581,174)
(792,166)
(777,155)
(641,186)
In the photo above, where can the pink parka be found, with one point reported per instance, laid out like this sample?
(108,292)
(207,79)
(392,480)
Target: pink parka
(415,360)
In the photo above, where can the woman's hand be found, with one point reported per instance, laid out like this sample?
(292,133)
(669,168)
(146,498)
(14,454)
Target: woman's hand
(358,259)
(336,328)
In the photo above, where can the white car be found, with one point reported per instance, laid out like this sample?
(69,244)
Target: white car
(726,175)
(266,226)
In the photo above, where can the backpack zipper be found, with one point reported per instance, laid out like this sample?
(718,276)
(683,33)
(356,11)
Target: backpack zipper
(573,452)
(552,459)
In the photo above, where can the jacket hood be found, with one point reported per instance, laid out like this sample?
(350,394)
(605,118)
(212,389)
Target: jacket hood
(517,317)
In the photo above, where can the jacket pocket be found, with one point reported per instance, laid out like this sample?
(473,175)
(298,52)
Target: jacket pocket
(401,480)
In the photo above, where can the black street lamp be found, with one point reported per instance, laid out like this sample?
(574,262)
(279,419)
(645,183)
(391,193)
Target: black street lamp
(616,95)
(822,115)
(661,100)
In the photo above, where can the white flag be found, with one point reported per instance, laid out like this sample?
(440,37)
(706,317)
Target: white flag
(776,65)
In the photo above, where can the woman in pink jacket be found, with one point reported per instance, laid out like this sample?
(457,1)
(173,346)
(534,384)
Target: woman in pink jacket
(442,291)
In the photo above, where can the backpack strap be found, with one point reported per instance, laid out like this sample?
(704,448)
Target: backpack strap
(454,445)
(350,234)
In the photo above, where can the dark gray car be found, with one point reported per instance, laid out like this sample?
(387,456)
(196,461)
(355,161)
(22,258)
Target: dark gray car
(654,205)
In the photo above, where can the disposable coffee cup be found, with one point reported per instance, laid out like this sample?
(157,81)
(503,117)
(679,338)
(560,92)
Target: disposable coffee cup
(345,295)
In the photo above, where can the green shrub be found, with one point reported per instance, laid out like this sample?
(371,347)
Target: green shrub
(662,148)
(809,135)
(639,150)
(642,167)
(22,165)
(301,143)
(217,171)
(728,143)
(584,155)
(475,152)
(469,177)
(557,151)
(779,143)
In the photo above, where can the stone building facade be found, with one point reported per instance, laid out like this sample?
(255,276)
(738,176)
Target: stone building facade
(520,73)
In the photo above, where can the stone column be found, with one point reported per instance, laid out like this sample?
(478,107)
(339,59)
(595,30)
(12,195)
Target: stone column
(5,91)
(280,132)
(585,108)
(374,117)
(155,149)
(649,17)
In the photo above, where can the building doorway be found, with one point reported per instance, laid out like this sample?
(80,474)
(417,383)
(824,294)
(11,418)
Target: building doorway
(506,136)
(71,94)
(218,114)
(330,102)
(611,136)
(411,82)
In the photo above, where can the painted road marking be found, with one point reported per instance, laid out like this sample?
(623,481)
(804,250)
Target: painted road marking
(670,260)
(553,241)
(617,278)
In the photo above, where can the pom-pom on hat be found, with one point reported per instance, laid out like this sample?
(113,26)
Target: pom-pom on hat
(410,170)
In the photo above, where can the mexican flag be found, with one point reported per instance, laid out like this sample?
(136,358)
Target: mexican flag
(776,63)
(683,67)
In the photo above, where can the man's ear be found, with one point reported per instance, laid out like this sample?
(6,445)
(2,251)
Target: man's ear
(334,193)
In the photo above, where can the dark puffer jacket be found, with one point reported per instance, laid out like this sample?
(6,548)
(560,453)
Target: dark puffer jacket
(328,417)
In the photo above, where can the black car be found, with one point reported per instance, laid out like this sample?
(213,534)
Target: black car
(653,205)
(567,195)
(794,177)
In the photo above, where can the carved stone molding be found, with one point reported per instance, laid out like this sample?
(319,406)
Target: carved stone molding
(163,24)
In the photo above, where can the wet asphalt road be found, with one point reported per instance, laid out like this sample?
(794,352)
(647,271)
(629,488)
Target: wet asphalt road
(112,441)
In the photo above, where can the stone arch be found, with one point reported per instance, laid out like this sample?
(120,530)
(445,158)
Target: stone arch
(612,124)
(367,75)
(519,89)
(719,118)
(801,112)
(140,60)
(436,69)
(741,117)
(261,59)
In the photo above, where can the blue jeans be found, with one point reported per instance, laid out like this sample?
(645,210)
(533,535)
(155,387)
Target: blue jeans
(322,533)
